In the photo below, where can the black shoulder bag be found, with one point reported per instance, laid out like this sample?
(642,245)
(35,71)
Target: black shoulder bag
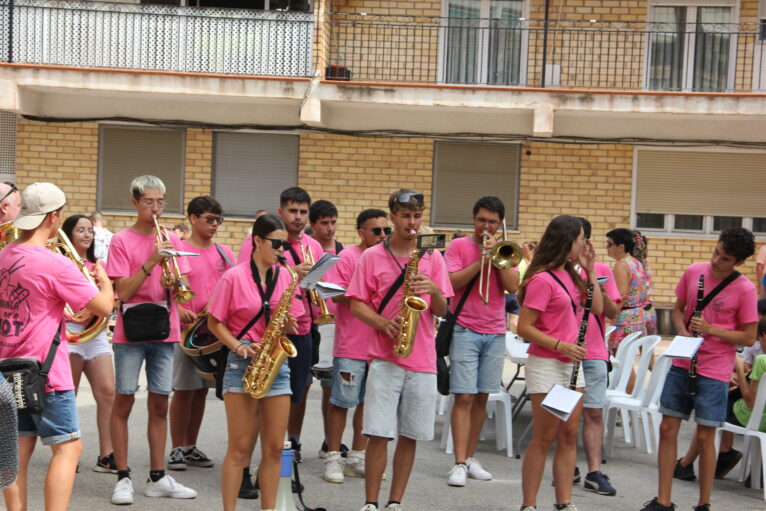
(29,378)
(223,353)
(223,255)
(147,321)
(447,326)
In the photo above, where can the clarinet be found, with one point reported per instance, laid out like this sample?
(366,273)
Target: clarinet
(691,387)
(581,335)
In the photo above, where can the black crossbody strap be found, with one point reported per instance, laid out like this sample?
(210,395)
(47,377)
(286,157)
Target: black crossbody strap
(392,291)
(269,291)
(338,247)
(463,298)
(220,250)
(51,353)
(720,287)
(574,307)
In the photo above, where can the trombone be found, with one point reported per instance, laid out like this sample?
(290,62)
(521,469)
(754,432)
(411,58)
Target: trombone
(170,271)
(503,255)
(324,313)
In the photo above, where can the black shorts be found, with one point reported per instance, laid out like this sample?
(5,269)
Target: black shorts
(512,304)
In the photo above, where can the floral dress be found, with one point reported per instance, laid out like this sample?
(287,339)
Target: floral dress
(631,317)
(650,314)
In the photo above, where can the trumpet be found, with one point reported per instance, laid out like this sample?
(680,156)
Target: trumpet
(324,313)
(92,324)
(503,255)
(170,271)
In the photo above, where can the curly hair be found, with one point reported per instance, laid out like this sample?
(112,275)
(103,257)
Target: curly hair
(640,247)
(738,242)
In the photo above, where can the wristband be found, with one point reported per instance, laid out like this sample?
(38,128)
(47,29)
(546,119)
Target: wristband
(556,346)
(236,350)
(148,273)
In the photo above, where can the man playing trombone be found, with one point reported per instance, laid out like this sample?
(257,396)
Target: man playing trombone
(149,285)
(478,344)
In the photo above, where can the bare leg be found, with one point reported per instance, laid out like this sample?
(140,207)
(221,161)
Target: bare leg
(666,457)
(157,429)
(77,364)
(727,441)
(100,374)
(241,414)
(196,414)
(705,436)
(15,495)
(375,465)
(404,457)
(359,442)
(273,418)
(180,408)
(692,453)
(461,425)
(325,409)
(118,428)
(478,415)
(336,425)
(59,480)
(297,412)
(565,457)
(544,432)
(593,436)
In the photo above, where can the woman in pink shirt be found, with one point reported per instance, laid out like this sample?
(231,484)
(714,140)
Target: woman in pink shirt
(237,299)
(93,358)
(550,294)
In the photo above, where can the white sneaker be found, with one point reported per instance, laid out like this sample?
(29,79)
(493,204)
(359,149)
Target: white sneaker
(394,507)
(168,487)
(369,507)
(457,475)
(476,471)
(123,492)
(333,468)
(354,466)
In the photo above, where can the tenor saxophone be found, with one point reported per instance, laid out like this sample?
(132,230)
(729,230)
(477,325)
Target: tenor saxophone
(274,347)
(409,309)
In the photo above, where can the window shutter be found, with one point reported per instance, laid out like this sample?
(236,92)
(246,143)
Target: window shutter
(762,9)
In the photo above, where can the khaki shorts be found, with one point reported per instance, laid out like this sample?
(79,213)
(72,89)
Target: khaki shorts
(185,375)
(542,373)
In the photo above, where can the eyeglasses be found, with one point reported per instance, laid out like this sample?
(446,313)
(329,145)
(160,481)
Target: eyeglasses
(377,230)
(491,223)
(13,189)
(151,202)
(211,219)
(404,198)
(276,243)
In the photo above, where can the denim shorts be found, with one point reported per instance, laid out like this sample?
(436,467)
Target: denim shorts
(128,358)
(235,370)
(596,378)
(300,366)
(476,361)
(709,404)
(399,401)
(347,393)
(58,423)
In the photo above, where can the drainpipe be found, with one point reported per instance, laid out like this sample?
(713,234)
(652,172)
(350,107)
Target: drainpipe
(10,31)
(545,40)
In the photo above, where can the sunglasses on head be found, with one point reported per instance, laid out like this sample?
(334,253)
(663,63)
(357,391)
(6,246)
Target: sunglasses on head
(13,189)
(277,243)
(404,198)
(377,230)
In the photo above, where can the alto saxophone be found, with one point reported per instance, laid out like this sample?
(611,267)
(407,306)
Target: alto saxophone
(409,309)
(274,347)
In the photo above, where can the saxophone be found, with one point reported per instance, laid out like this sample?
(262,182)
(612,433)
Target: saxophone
(409,309)
(274,347)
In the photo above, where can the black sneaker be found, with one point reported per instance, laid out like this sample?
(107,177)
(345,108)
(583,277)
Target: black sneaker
(684,473)
(653,505)
(176,460)
(296,447)
(106,464)
(598,482)
(575,479)
(703,507)
(726,462)
(246,489)
(197,458)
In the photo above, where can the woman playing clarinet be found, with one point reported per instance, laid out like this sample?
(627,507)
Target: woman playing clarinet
(551,295)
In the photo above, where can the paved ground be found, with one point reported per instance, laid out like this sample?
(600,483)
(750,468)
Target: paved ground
(633,473)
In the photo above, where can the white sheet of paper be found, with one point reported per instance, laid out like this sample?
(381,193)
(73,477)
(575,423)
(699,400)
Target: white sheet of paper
(318,270)
(683,347)
(561,401)
(178,253)
(327,290)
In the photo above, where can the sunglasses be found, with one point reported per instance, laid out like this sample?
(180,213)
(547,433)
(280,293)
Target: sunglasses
(404,198)
(377,230)
(13,189)
(276,243)
(218,220)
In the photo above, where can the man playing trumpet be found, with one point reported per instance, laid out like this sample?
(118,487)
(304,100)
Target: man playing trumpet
(478,345)
(153,329)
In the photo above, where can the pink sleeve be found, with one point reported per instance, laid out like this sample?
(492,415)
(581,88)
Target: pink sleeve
(747,312)
(218,305)
(182,261)
(538,293)
(441,277)
(73,288)
(453,257)
(611,288)
(245,250)
(118,263)
(357,287)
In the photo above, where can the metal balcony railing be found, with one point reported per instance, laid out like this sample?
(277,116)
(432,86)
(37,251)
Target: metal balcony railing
(704,57)
(156,37)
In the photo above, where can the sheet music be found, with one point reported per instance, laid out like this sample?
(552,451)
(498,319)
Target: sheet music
(561,401)
(178,253)
(318,270)
(328,290)
(683,347)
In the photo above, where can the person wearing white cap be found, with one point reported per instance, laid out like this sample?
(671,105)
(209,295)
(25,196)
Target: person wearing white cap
(36,283)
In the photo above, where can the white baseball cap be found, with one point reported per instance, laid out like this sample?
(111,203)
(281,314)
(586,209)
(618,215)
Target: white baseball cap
(37,200)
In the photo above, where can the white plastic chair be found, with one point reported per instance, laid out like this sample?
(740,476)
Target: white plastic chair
(619,399)
(619,359)
(500,404)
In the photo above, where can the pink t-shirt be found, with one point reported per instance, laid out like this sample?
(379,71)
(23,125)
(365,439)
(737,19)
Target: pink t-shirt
(375,272)
(204,272)
(236,300)
(127,252)
(352,336)
(35,285)
(595,346)
(484,319)
(245,249)
(304,321)
(732,308)
(556,317)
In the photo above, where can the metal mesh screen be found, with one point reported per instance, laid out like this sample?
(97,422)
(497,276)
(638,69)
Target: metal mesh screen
(9,449)
(7,143)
